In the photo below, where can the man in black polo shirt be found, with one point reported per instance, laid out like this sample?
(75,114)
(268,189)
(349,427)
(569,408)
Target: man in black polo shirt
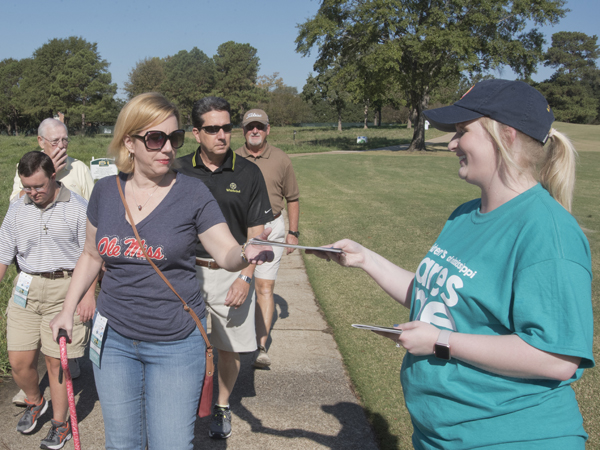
(240,190)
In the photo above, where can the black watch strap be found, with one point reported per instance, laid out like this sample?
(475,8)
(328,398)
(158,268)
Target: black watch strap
(294,233)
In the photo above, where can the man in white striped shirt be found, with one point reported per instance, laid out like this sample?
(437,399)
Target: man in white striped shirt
(53,139)
(45,230)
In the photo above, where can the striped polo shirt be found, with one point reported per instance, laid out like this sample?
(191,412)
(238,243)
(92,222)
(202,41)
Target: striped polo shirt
(44,240)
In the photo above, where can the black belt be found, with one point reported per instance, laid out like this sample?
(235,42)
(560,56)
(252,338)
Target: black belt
(209,264)
(54,275)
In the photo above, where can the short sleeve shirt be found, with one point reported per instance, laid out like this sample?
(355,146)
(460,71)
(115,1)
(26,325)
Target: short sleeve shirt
(522,269)
(136,301)
(239,188)
(279,175)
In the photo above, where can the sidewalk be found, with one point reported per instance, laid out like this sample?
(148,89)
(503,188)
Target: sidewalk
(303,402)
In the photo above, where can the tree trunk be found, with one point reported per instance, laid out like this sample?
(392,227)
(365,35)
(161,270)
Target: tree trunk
(339,120)
(366,116)
(418,140)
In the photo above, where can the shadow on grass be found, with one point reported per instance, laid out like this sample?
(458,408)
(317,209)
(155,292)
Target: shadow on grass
(385,439)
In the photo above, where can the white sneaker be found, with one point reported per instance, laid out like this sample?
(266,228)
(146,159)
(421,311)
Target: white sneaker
(74,368)
(19,398)
(262,360)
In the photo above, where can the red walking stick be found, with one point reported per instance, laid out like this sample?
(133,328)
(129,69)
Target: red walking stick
(64,367)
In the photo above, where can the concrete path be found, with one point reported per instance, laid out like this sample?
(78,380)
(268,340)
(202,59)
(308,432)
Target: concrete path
(304,401)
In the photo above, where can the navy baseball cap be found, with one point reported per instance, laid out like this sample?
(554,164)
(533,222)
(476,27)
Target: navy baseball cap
(513,103)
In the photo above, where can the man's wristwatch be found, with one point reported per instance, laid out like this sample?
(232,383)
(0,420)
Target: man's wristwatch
(441,349)
(245,278)
(294,233)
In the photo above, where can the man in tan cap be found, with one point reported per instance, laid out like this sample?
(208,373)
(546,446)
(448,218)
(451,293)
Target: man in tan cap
(278,172)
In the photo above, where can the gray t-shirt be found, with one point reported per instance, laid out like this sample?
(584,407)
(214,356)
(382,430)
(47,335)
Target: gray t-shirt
(136,301)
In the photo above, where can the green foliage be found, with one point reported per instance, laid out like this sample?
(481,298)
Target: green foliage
(420,45)
(11,108)
(237,68)
(189,76)
(147,76)
(573,91)
(68,75)
(329,86)
(84,88)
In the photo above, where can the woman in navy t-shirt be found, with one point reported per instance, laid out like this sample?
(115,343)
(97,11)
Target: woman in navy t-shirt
(150,356)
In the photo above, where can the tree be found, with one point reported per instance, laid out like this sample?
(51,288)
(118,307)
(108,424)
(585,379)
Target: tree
(189,76)
(423,43)
(283,105)
(328,86)
(44,94)
(83,87)
(573,90)
(11,76)
(237,67)
(147,76)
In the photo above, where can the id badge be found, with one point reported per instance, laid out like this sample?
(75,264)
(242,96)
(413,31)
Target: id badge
(97,339)
(22,289)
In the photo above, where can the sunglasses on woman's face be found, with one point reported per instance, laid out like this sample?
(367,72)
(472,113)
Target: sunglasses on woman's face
(156,140)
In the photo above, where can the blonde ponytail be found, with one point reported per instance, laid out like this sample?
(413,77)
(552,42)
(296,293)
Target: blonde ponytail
(553,165)
(557,171)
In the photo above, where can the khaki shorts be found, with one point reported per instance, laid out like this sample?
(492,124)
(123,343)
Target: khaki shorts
(27,328)
(232,329)
(268,271)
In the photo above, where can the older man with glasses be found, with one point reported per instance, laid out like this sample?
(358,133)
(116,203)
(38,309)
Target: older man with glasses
(53,138)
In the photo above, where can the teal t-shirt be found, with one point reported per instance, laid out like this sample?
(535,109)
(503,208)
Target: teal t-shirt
(525,269)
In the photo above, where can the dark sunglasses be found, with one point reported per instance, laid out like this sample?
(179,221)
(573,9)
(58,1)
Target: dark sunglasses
(214,129)
(259,126)
(156,140)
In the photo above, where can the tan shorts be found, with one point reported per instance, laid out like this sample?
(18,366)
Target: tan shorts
(232,329)
(27,328)
(268,271)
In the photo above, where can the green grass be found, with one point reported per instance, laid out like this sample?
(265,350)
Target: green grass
(396,205)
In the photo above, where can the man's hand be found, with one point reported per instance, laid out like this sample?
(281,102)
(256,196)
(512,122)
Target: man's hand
(59,158)
(87,306)
(236,296)
(292,240)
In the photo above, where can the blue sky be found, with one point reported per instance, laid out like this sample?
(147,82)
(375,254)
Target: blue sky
(127,31)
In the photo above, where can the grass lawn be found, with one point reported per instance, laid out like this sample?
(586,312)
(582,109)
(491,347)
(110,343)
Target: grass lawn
(394,203)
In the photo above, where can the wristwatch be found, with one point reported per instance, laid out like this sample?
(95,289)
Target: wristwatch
(441,349)
(245,278)
(294,233)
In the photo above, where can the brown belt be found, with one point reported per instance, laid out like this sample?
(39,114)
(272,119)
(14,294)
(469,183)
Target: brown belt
(54,275)
(209,264)
(276,216)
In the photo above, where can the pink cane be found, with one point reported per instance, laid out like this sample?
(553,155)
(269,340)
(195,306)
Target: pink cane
(64,365)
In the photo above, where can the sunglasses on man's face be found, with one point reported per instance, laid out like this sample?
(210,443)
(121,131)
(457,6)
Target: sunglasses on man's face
(214,129)
(156,140)
(259,126)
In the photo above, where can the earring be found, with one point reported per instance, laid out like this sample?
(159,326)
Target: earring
(130,156)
